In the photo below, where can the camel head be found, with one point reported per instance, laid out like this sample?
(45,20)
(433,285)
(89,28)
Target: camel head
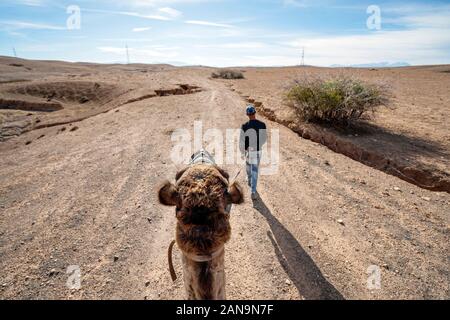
(201,196)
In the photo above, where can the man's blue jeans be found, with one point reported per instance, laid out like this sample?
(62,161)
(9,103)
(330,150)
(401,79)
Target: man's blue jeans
(253,162)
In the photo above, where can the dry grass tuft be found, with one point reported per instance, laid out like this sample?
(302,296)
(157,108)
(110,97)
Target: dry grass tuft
(338,100)
(227,74)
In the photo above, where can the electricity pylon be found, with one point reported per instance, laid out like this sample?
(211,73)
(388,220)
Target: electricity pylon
(303,57)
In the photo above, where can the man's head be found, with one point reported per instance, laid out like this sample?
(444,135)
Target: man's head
(251,112)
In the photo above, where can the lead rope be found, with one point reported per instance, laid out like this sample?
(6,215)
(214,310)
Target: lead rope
(236,176)
(171,268)
(196,258)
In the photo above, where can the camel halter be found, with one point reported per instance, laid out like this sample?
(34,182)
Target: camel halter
(193,257)
(202,157)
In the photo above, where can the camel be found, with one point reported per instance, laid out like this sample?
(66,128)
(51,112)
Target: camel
(203,197)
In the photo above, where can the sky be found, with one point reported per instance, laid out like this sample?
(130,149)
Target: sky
(225,33)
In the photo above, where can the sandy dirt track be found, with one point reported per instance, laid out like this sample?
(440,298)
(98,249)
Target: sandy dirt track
(88,197)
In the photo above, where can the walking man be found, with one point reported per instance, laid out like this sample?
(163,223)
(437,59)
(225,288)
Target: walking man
(252,139)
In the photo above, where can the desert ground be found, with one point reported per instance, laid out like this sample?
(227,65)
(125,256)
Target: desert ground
(84,148)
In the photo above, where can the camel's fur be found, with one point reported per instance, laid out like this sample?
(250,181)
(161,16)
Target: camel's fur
(201,194)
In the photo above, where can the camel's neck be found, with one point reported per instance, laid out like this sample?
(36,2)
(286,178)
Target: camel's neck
(205,280)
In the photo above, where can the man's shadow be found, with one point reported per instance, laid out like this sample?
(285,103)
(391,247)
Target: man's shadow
(299,266)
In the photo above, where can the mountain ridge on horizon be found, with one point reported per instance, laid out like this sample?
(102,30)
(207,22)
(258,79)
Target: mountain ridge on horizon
(383,64)
(182,64)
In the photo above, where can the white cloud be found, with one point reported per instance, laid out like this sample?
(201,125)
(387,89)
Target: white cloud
(144,16)
(114,50)
(418,46)
(296,3)
(156,3)
(125,40)
(145,54)
(430,20)
(264,60)
(170,12)
(209,24)
(159,15)
(237,45)
(414,8)
(141,29)
(16,34)
(30,25)
(31,3)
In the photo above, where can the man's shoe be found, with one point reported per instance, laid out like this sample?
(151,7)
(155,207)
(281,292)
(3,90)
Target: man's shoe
(254,196)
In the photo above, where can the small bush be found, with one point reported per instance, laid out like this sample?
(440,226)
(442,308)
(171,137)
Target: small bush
(227,74)
(340,100)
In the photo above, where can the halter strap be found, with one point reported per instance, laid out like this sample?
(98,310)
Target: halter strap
(193,257)
(204,258)
(202,157)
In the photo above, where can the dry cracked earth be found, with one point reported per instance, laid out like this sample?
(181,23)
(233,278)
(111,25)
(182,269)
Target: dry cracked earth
(78,187)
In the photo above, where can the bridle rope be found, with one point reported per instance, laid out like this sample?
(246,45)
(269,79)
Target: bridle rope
(193,257)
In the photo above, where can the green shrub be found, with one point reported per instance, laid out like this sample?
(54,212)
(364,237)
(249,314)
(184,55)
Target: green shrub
(227,74)
(339,100)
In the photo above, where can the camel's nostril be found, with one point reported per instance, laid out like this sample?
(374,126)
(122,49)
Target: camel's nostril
(201,210)
(201,215)
(199,231)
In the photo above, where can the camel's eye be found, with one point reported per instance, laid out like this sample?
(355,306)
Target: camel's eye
(227,197)
(182,212)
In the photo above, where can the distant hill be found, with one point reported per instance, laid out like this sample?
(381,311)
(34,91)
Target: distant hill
(374,65)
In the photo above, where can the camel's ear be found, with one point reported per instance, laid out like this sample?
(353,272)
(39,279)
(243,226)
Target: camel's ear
(180,173)
(236,194)
(223,173)
(168,194)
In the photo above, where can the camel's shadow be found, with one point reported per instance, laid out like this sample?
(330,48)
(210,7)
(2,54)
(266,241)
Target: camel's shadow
(299,266)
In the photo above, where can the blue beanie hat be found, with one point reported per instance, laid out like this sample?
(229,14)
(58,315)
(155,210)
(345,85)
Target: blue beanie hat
(251,110)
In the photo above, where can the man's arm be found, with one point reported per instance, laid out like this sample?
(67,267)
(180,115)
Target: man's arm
(242,141)
(263,135)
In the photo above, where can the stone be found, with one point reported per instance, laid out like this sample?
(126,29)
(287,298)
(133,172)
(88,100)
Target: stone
(53,272)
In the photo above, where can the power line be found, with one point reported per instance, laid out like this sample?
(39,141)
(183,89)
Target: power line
(128,54)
